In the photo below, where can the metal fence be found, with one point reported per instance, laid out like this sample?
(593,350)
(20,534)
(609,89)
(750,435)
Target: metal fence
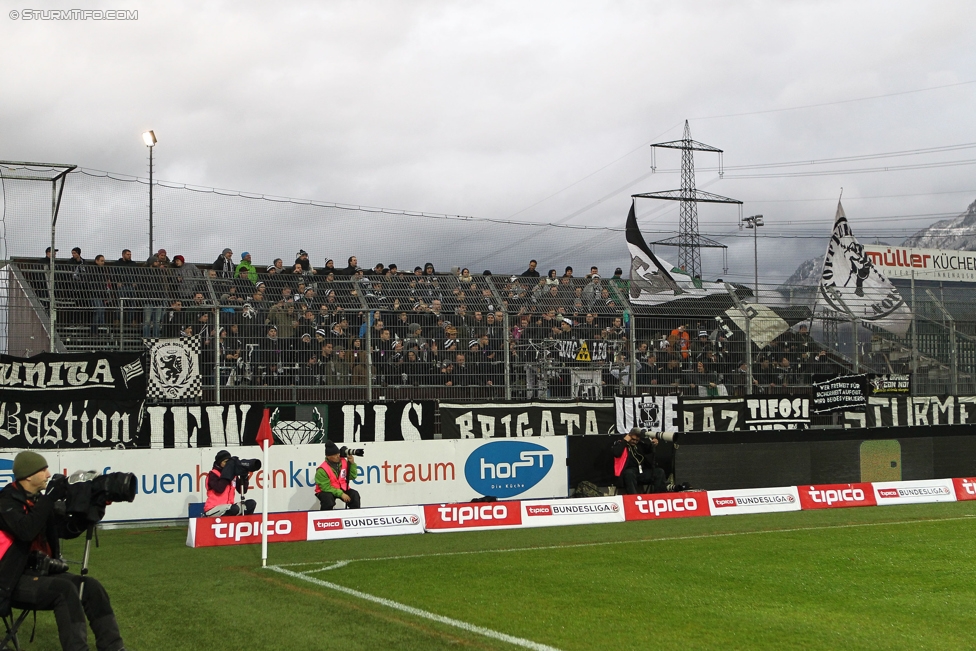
(315,335)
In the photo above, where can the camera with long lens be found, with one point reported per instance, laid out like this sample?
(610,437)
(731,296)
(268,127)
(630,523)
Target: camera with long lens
(242,470)
(660,436)
(351,452)
(44,565)
(87,493)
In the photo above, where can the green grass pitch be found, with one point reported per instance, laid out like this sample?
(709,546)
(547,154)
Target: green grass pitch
(898,577)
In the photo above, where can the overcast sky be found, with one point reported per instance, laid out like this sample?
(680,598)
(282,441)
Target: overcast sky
(535,111)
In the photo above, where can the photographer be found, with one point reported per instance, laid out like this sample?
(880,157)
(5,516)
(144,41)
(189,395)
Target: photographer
(32,576)
(332,479)
(227,476)
(634,463)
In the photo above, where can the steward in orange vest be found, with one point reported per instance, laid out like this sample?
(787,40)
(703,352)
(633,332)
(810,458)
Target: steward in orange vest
(221,487)
(332,479)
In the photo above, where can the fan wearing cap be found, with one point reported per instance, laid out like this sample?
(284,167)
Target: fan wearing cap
(332,479)
(29,525)
(224,264)
(245,263)
(221,486)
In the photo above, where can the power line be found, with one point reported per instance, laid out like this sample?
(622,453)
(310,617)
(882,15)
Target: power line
(842,101)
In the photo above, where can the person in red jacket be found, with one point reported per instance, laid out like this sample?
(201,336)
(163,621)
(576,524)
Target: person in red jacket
(633,462)
(222,484)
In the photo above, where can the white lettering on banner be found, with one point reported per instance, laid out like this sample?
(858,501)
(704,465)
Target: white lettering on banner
(472,513)
(828,497)
(407,429)
(247,529)
(464,424)
(570,421)
(379,422)
(487,426)
(502,470)
(353,417)
(39,375)
(659,506)
(522,425)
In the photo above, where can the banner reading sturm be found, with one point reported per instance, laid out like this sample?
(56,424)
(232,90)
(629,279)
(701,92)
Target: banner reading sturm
(529,419)
(71,424)
(73,376)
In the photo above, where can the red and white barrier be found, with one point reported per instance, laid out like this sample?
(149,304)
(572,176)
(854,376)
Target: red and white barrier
(480,516)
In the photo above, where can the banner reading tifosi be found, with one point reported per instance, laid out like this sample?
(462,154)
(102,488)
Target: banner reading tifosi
(55,377)
(71,424)
(913,411)
(529,419)
(202,426)
(381,421)
(785,412)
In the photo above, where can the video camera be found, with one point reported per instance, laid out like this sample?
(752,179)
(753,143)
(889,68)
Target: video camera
(660,436)
(86,493)
(242,469)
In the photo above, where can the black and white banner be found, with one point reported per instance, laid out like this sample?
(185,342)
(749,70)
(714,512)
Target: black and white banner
(71,424)
(73,376)
(584,350)
(840,393)
(174,368)
(893,384)
(913,411)
(785,412)
(657,413)
(381,421)
(529,419)
(712,414)
(201,426)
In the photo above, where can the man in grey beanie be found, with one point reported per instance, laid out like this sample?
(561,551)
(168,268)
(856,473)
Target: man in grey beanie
(30,529)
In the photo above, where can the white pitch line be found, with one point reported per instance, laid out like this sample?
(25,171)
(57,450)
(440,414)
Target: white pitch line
(465,626)
(605,543)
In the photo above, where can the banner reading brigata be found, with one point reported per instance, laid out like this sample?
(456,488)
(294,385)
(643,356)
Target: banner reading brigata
(523,420)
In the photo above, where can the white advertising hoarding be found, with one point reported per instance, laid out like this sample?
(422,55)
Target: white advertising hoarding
(172,482)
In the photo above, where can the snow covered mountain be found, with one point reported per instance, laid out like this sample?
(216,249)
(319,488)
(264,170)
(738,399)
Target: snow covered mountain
(958,233)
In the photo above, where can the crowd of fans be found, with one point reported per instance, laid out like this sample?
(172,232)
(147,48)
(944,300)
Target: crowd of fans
(301,325)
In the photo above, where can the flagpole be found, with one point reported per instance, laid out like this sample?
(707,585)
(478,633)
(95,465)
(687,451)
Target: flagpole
(264,509)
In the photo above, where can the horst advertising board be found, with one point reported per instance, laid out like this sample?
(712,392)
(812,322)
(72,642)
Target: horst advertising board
(172,482)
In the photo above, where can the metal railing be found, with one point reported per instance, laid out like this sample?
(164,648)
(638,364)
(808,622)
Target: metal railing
(318,336)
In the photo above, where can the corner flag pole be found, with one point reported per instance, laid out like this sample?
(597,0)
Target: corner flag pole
(265,438)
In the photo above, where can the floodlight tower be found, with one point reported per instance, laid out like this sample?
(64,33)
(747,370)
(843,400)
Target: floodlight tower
(688,241)
(149,137)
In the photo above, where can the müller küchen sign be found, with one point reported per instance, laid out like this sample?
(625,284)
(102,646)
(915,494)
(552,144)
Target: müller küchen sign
(926,264)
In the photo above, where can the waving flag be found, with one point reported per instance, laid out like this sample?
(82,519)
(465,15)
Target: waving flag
(654,281)
(852,285)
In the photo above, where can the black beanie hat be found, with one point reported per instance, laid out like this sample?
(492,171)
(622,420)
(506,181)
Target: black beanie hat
(331,448)
(223,454)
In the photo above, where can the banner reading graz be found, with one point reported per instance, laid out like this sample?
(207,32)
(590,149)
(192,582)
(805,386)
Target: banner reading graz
(201,426)
(528,419)
(381,421)
(913,411)
(71,424)
(73,376)
(712,414)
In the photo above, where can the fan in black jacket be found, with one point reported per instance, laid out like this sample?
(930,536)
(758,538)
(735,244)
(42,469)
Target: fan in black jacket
(29,526)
